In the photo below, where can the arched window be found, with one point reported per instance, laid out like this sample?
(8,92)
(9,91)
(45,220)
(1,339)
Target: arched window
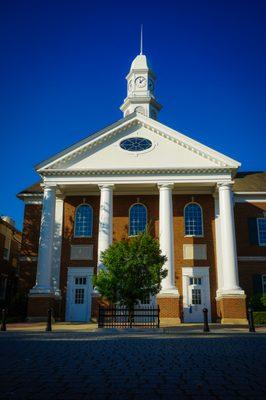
(137,219)
(83,221)
(193,220)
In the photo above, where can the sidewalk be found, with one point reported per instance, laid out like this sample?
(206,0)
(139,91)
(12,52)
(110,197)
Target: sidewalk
(57,327)
(93,327)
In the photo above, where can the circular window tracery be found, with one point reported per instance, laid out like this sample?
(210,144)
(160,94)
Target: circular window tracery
(136,144)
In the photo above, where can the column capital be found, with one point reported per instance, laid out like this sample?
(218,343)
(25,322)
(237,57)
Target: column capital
(165,185)
(48,186)
(108,186)
(225,185)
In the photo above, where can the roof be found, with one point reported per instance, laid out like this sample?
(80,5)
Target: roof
(140,62)
(251,181)
(219,160)
(8,225)
(33,189)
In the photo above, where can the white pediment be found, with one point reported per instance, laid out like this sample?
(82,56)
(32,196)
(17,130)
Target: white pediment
(170,150)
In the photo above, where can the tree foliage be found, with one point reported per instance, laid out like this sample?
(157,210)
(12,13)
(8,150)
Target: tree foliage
(258,302)
(133,270)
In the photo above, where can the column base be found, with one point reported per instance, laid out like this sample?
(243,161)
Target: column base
(231,308)
(168,301)
(41,290)
(38,305)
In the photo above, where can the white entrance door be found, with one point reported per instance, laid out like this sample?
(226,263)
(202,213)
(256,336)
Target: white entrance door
(79,290)
(196,293)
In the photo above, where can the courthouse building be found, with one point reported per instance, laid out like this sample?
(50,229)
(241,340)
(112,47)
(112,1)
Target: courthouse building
(209,219)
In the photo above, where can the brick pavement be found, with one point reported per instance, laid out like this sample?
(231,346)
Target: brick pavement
(132,366)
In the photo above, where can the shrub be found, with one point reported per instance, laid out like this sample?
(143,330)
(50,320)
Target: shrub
(258,302)
(259,317)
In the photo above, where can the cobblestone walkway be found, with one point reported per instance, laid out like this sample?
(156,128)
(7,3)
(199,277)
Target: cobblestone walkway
(132,366)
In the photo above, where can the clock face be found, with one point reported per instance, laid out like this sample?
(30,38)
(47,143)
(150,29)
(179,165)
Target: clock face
(151,85)
(140,81)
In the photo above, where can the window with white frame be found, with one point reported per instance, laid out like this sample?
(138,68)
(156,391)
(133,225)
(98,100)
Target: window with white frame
(137,219)
(194,281)
(196,296)
(83,221)
(261,224)
(263,284)
(193,220)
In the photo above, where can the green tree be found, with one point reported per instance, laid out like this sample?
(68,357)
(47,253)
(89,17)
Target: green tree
(133,271)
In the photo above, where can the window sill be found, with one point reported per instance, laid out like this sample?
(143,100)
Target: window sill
(82,237)
(193,236)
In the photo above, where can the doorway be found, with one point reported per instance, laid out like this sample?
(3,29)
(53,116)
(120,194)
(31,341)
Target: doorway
(196,293)
(79,291)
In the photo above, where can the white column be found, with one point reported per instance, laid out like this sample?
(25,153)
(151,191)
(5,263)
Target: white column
(166,236)
(45,252)
(228,241)
(57,244)
(219,264)
(105,237)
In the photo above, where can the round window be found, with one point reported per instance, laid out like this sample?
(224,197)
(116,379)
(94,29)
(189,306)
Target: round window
(136,144)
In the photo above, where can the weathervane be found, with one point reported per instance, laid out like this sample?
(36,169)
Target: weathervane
(141,38)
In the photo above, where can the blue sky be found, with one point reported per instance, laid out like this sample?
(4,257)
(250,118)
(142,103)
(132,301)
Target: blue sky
(63,66)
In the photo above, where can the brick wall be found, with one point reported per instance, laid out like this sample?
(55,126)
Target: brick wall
(244,211)
(121,205)
(29,246)
(31,230)
(68,238)
(207,204)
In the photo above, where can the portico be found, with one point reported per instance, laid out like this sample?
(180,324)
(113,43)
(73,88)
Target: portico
(169,297)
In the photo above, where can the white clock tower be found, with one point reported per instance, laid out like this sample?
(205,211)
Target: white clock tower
(140,89)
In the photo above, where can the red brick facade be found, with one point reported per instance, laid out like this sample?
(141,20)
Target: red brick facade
(29,247)
(10,246)
(121,205)
(250,267)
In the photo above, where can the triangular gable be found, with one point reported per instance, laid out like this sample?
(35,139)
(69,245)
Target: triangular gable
(171,149)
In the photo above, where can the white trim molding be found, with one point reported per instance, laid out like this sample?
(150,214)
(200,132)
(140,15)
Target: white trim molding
(31,198)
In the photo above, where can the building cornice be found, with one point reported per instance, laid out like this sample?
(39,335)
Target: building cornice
(131,171)
(31,198)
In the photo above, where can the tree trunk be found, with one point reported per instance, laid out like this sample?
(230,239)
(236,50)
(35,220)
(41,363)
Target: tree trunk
(131,315)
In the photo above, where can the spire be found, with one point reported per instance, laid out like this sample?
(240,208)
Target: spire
(141,39)
(140,87)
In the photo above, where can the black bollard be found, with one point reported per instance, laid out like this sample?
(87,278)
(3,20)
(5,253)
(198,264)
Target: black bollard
(205,318)
(3,323)
(251,320)
(49,320)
